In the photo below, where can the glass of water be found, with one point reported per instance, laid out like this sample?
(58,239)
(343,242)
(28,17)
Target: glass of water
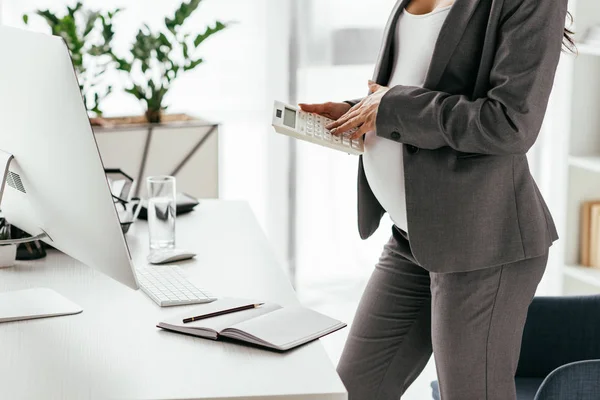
(161,212)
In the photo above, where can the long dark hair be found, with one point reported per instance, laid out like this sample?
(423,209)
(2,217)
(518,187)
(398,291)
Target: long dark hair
(568,41)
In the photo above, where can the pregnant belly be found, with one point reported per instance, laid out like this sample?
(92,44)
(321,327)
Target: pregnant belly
(384,169)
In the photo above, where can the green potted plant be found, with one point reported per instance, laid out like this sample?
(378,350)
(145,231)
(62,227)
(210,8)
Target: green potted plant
(159,57)
(88,35)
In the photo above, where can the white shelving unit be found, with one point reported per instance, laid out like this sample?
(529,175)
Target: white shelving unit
(590,276)
(592,50)
(590,163)
(583,176)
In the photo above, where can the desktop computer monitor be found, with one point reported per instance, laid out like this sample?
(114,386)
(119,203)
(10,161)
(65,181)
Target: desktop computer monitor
(56,183)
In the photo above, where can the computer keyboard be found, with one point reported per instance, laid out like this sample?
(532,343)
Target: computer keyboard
(291,121)
(167,286)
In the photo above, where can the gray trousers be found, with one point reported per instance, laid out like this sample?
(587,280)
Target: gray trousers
(471,321)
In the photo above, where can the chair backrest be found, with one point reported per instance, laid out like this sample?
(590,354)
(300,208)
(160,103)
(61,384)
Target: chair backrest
(579,380)
(559,331)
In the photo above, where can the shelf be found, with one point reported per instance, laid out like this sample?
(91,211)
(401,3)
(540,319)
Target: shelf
(588,275)
(589,49)
(590,163)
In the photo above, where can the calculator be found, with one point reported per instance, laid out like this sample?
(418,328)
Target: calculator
(291,121)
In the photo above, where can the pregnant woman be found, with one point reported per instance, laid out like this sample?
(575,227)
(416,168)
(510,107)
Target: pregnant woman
(459,94)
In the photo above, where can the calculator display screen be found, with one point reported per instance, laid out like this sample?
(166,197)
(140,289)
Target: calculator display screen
(289,118)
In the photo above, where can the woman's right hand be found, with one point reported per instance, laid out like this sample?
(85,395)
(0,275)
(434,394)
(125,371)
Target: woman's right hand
(329,110)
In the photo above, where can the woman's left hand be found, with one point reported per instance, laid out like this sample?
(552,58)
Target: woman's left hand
(362,116)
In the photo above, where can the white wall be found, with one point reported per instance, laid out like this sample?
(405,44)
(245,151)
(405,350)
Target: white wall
(322,18)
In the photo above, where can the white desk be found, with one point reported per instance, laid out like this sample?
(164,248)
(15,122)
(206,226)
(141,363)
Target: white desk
(113,350)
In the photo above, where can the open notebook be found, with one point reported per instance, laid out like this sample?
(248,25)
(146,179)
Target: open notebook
(270,325)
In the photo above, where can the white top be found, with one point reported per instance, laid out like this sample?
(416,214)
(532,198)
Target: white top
(113,350)
(415,40)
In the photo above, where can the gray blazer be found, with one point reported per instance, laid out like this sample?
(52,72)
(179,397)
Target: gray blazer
(471,200)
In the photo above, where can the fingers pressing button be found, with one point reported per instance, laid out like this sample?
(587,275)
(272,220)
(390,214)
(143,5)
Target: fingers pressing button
(395,135)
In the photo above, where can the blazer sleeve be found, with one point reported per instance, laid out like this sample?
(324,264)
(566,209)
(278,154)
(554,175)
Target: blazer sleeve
(509,119)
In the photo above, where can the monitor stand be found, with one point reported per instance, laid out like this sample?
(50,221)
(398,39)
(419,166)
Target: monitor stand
(30,303)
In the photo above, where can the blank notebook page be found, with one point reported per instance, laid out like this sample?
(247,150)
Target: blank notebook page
(289,326)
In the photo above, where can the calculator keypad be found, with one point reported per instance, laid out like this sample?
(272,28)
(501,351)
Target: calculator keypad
(314,125)
(312,128)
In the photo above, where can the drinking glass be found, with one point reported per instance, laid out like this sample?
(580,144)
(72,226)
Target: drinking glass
(161,212)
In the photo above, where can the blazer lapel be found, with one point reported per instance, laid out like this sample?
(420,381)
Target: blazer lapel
(450,34)
(383,65)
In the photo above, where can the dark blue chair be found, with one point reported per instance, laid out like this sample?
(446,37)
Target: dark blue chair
(560,354)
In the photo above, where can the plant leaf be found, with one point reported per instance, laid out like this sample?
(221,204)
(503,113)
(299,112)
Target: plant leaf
(90,22)
(112,14)
(51,19)
(181,15)
(192,64)
(86,39)
(163,49)
(172,73)
(73,11)
(137,91)
(142,48)
(96,50)
(68,31)
(122,64)
(164,41)
(219,26)
(186,50)
(108,32)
